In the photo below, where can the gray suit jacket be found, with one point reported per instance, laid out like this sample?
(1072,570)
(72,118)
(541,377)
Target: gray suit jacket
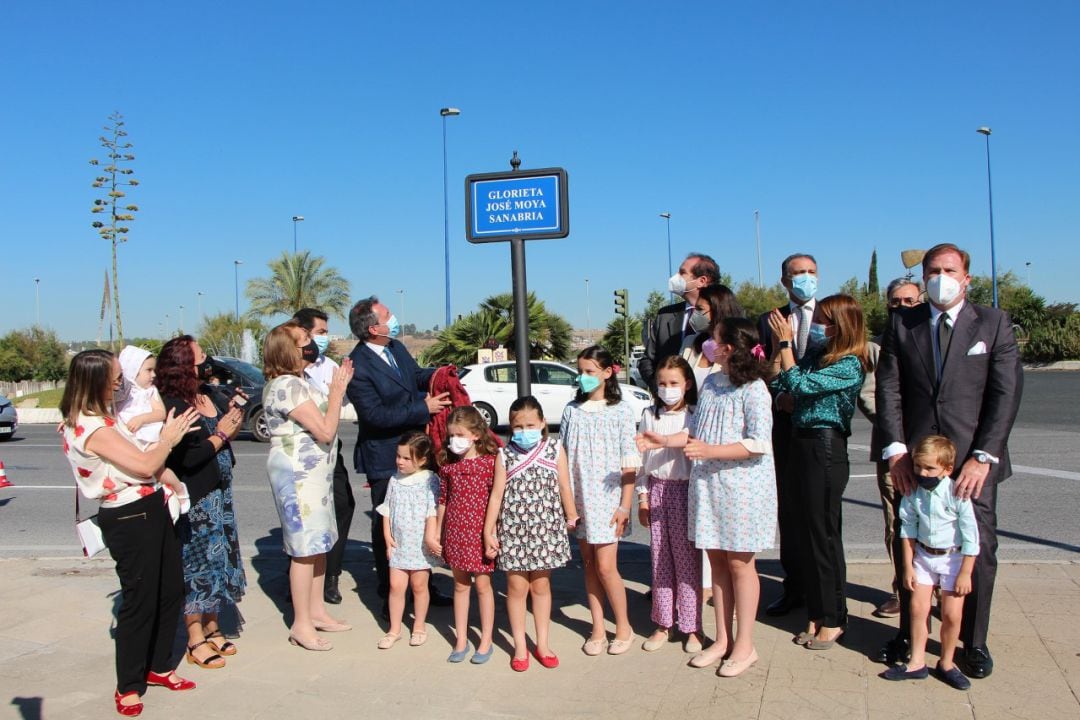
(975,403)
(662,337)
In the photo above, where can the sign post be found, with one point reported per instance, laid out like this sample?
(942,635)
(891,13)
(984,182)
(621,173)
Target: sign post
(517,206)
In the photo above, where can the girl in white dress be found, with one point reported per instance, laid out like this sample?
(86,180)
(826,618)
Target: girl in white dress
(598,431)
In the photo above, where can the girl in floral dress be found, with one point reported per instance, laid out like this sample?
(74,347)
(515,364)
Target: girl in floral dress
(598,431)
(530,508)
(467,469)
(409,528)
(732,511)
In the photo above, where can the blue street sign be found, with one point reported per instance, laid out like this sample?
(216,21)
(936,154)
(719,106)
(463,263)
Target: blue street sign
(528,204)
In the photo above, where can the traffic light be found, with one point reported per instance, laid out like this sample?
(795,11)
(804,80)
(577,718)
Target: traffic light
(622,303)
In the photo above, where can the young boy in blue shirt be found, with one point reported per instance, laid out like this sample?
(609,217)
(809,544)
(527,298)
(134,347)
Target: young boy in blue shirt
(941,541)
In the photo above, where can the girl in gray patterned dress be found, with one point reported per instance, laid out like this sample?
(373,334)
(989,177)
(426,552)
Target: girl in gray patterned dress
(408,524)
(530,509)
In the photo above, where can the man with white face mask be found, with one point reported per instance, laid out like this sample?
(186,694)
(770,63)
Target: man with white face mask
(952,368)
(799,276)
(664,334)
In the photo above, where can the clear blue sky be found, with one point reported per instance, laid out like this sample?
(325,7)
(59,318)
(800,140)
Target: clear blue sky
(849,125)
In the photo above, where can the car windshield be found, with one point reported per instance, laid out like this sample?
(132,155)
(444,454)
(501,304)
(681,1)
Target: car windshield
(249,371)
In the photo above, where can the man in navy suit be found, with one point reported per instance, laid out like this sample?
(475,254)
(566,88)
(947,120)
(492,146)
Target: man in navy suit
(950,367)
(389,392)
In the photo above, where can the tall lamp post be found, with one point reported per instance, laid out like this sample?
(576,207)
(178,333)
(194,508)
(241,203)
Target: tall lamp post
(402,294)
(588,312)
(295,219)
(236,285)
(667,219)
(990,195)
(199,294)
(445,113)
(37,300)
(181,318)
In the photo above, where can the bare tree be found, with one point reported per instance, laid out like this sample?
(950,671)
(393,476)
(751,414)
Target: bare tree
(115,176)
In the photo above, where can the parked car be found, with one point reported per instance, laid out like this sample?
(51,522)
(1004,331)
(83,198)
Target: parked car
(234,373)
(492,388)
(9,419)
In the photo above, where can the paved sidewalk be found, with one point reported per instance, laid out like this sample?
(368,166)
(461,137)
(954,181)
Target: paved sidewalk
(56,659)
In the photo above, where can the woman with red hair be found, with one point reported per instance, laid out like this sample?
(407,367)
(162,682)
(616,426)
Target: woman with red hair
(213,573)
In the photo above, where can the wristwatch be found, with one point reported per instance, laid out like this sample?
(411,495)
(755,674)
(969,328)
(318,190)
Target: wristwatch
(983,458)
(784,344)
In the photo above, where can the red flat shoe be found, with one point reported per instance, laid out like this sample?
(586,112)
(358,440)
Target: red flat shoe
(153,678)
(548,661)
(127,710)
(519,665)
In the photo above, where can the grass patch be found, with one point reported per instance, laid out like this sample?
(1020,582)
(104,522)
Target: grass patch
(45,398)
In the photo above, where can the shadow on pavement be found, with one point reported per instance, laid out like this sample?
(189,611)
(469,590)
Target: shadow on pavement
(29,707)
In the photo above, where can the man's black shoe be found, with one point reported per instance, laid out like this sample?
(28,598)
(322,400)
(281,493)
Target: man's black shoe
(783,605)
(438,599)
(895,652)
(331,594)
(976,662)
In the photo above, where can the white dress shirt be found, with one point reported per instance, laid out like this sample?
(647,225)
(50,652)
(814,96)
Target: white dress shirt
(320,373)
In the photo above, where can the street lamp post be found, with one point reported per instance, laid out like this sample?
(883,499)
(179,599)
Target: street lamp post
(199,294)
(236,284)
(445,113)
(588,312)
(295,219)
(757,239)
(667,218)
(990,195)
(1028,266)
(37,300)
(402,294)
(181,318)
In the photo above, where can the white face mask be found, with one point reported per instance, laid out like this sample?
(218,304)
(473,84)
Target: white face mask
(942,289)
(670,395)
(677,284)
(460,445)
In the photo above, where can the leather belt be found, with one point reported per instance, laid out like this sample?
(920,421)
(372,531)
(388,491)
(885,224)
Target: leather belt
(937,551)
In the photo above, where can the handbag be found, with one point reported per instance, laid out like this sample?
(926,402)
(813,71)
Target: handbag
(89,531)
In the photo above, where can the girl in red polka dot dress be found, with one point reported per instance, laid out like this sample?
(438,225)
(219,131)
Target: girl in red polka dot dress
(467,471)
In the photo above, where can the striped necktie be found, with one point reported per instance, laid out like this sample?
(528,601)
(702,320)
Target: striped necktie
(391,361)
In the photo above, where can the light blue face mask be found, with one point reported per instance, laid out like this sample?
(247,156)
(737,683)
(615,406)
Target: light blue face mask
(816,337)
(322,342)
(526,439)
(393,326)
(587,383)
(804,286)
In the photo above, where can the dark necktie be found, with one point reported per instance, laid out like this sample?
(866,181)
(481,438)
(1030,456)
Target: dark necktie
(688,331)
(944,335)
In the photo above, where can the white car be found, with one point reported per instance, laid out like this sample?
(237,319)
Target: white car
(492,388)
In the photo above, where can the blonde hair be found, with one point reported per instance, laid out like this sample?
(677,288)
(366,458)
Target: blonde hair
(938,448)
(844,312)
(281,356)
(89,387)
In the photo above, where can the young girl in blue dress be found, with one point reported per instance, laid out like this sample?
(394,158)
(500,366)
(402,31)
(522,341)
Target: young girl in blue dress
(530,509)
(409,529)
(598,431)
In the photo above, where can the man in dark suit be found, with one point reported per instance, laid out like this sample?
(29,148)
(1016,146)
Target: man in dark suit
(664,335)
(388,390)
(798,274)
(952,368)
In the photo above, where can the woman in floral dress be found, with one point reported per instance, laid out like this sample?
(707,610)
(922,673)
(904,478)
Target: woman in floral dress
(303,426)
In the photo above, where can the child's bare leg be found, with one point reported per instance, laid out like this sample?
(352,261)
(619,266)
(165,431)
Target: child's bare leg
(540,584)
(399,581)
(607,570)
(462,589)
(594,591)
(485,598)
(418,582)
(746,589)
(952,612)
(517,589)
(723,607)
(920,611)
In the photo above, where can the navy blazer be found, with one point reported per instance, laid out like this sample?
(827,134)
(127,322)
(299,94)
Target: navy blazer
(977,399)
(662,337)
(387,405)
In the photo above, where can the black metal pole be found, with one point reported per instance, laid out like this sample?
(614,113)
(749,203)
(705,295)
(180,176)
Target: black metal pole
(521,316)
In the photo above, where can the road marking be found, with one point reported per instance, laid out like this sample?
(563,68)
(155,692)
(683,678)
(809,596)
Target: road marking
(236,488)
(1025,469)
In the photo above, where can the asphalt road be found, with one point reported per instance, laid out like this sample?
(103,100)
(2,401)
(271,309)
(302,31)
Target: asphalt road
(1036,509)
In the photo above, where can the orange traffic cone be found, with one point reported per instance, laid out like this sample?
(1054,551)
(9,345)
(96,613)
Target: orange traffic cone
(3,477)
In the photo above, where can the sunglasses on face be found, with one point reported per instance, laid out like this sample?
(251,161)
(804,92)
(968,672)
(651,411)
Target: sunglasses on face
(908,301)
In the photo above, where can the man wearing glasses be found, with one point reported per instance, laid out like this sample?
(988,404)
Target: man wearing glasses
(901,293)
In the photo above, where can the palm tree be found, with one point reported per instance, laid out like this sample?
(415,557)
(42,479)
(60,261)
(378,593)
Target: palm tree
(549,334)
(298,280)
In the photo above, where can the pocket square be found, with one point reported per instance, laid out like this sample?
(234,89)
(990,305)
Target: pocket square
(978,348)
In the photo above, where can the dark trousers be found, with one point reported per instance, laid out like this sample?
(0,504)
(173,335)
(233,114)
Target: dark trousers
(819,458)
(976,622)
(143,542)
(378,540)
(344,507)
(787,497)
